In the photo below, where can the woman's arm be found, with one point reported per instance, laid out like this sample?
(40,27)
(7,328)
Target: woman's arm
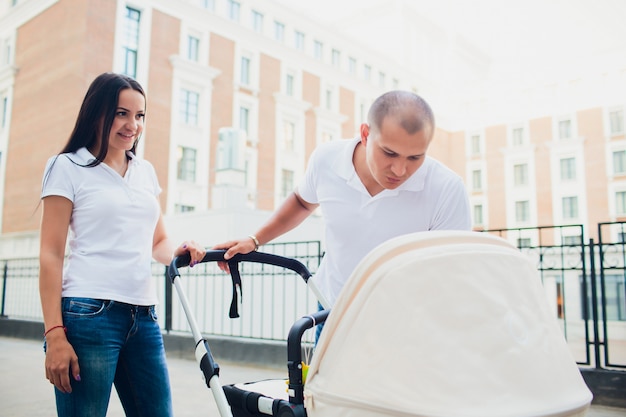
(60,356)
(163,250)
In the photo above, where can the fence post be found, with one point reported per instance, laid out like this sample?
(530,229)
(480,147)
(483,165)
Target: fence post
(594,303)
(168,302)
(5,274)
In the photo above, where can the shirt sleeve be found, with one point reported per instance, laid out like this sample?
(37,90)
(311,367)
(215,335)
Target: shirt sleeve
(307,186)
(453,209)
(57,179)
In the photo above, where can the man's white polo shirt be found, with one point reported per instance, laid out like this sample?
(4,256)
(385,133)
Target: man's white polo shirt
(434,197)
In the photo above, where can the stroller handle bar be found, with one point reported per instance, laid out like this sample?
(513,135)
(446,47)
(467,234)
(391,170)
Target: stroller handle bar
(257,257)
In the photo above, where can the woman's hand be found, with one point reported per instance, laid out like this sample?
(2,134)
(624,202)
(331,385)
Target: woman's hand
(61,360)
(195,251)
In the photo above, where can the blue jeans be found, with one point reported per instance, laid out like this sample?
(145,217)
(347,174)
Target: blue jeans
(117,344)
(319,327)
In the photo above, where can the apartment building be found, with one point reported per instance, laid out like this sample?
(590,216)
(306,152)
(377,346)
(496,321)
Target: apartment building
(241,92)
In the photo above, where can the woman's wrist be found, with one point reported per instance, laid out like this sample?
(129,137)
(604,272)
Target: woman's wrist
(53,328)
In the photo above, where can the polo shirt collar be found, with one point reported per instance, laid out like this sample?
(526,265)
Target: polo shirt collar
(85,157)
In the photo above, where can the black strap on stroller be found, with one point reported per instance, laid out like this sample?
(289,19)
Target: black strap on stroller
(230,400)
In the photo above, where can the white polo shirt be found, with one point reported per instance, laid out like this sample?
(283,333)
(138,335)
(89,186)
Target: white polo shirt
(433,198)
(111,228)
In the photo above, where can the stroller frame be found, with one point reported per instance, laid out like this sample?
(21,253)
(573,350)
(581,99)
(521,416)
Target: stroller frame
(251,403)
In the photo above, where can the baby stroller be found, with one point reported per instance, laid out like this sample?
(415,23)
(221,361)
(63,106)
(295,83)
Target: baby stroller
(436,323)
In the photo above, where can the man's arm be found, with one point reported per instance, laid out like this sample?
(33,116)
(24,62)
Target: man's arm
(290,214)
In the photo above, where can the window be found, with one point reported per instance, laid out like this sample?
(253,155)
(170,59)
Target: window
(475,144)
(572,240)
(520,174)
(257,21)
(328,99)
(279,31)
(336,58)
(233,10)
(207,4)
(620,203)
(244,119)
(560,307)
(522,211)
(477,180)
(382,79)
(517,136)
(189,107)
(326,137)
(6,58)
(318,50)
(244,77)
(568,169)
(289,134)
(352,65)
(286,183)
(130,42)
(299,40)
(565,129)
(367,72)
(478,214)
(619,162)
(570,207)
(5,111)
(523,242)
(230,147)
(614,293)
(186,164)
(193,48)
(616,122)
(289,85)
(181,208)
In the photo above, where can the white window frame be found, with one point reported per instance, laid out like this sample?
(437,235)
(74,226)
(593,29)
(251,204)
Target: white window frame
(523,180)
(257,20)
(573,134)
(609,121)
(573,212)
(574,166)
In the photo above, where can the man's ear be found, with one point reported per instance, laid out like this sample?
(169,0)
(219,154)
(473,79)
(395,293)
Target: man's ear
(365,132)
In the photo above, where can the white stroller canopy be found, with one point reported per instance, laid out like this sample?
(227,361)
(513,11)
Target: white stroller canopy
(444,324)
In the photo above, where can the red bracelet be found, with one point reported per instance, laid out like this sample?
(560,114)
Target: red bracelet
(60,326)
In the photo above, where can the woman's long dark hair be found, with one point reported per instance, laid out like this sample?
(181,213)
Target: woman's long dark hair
(97,112)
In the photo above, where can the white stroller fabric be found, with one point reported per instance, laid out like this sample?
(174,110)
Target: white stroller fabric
(444,324)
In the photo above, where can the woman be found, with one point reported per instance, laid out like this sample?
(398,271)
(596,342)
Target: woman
(100,323)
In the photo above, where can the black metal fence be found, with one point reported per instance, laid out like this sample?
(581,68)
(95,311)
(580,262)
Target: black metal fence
(272,297)
(584,284)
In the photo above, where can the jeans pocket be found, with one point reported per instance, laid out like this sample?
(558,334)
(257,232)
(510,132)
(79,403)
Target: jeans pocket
(153,314)
(83,307)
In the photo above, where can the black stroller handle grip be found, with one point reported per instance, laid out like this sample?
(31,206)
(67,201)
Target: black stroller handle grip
(257,257)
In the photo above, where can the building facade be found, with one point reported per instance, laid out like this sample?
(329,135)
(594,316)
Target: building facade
(241,92)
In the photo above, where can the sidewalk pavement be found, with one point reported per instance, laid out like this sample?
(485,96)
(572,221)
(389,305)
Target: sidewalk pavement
(24,390)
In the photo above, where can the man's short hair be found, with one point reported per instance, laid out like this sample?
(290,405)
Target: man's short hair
(412,111)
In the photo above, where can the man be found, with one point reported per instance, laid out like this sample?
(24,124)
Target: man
(370,189)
